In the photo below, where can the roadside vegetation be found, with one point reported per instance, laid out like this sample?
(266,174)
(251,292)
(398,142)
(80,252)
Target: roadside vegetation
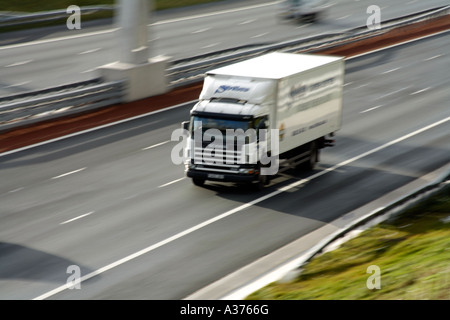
(411,250)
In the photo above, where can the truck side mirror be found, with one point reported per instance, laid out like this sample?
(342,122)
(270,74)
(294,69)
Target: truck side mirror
(261,126)
(185,125)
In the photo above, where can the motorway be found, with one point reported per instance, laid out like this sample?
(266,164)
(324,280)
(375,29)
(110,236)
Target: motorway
(37,59)
(111,203)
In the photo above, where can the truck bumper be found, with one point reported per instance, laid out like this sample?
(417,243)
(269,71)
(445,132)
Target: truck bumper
(223,177)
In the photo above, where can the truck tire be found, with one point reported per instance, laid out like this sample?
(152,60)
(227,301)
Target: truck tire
(198,182)
(263,180)
(313,158)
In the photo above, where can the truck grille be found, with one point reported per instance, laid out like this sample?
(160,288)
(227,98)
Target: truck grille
(224,160)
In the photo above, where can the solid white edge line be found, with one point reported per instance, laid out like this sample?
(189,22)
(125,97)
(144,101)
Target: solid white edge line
(211,14)
(270,277)
(293,264)
(95,33)
(88,34)
(32,43)
(397,44)
(192,101)
(237,209)
(95,128)
(231,211)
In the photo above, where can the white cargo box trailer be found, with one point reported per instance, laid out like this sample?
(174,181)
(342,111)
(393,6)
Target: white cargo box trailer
(299,95)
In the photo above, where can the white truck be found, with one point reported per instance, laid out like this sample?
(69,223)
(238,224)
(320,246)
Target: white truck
(252,116)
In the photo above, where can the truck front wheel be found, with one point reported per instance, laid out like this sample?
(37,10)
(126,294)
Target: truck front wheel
(198,182)
(263,180)
(313,157)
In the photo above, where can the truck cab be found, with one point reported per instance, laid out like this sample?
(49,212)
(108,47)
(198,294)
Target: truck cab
(224,129)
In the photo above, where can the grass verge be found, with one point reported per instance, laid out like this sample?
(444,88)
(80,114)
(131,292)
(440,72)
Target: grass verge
(412,251)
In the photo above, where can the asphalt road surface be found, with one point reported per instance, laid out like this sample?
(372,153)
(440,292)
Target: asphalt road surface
(110,204)
(42,58)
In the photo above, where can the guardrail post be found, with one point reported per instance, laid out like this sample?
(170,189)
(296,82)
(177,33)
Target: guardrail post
(145,76)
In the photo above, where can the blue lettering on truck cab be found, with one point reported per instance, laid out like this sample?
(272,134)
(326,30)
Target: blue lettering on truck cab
(224,88)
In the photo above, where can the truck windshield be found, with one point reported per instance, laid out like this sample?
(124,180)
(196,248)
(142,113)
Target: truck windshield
(203,123)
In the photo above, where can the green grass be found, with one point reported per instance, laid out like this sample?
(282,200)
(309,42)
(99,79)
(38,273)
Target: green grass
(412,251)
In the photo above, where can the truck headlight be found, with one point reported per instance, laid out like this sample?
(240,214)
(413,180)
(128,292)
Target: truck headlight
(246,171)
(189,165)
